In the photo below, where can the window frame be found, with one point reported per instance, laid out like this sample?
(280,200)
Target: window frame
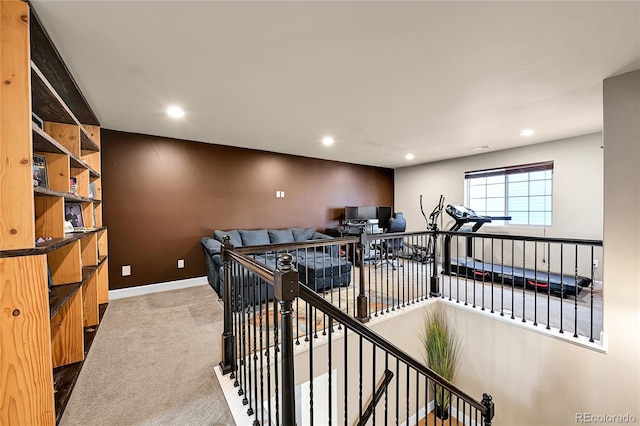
(505,172)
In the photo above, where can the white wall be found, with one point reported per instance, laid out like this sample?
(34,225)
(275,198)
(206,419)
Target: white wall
(577,185)
(536,379)
(622,231)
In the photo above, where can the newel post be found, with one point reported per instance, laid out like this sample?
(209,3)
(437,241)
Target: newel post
(228,363)
(488,404)
(285,291)
(362,302)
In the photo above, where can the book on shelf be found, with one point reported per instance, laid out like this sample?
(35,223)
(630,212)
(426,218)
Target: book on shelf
(40,177)
(82,229)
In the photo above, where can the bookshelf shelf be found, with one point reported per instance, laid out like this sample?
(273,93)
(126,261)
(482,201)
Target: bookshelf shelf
(39,191)
(51,245)
(59,295)
(43,142)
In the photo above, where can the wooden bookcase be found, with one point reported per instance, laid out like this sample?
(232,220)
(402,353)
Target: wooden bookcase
(53,293)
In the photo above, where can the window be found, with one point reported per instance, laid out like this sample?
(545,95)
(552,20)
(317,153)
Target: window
(522,192)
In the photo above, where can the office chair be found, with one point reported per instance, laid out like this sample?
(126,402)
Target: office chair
(392,246)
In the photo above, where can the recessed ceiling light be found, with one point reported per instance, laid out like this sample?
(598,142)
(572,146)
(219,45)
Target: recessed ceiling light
(409,156)
(478,148)
(175,112)
(327,140)
(527,132)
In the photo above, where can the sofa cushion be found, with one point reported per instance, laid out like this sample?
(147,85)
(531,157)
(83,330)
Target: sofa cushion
(302,234)
(277,236)
(234,235)
(212,245)
(321,265)
(256,237)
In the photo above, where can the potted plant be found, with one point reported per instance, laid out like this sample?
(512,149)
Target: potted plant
(441,351)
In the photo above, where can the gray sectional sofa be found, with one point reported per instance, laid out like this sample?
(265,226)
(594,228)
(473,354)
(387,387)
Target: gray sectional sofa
(320,268)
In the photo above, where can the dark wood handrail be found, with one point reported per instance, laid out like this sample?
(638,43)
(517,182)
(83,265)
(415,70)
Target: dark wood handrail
(260,269)
(384,236)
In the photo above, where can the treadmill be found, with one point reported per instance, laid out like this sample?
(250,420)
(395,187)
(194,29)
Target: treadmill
(463,215)
(559,284)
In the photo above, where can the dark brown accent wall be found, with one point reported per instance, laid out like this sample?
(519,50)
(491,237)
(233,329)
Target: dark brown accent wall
(162,195)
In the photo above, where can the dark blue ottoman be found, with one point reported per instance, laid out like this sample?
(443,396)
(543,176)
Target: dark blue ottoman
(321,272)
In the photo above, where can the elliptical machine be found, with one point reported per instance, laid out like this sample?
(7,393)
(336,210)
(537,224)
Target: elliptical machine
(426,254)
(432,222)
(432,227)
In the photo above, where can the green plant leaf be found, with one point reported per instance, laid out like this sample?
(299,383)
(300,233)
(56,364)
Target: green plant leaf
(441,350)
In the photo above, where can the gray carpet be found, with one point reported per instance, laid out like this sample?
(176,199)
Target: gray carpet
(152,364)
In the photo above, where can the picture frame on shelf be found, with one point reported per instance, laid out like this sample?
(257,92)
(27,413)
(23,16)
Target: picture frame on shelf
(73,185)
(40,177)
(73,214)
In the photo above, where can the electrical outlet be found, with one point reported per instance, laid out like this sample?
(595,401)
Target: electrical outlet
(126,270)
(595,263)
(180,263)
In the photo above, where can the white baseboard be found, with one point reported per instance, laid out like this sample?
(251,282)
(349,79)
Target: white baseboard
(155,288)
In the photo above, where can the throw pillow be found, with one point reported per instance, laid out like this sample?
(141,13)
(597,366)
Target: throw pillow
(303,234)
(256,237)
(234,235)
(277,236)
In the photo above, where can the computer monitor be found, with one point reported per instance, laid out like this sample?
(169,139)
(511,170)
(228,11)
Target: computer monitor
(360,213)
(366,213)
(384,214)
(350,213)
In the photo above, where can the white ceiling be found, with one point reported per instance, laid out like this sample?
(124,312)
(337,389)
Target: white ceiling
(383,78)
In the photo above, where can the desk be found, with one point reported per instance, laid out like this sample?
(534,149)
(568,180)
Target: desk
(352,230)
(370,251)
